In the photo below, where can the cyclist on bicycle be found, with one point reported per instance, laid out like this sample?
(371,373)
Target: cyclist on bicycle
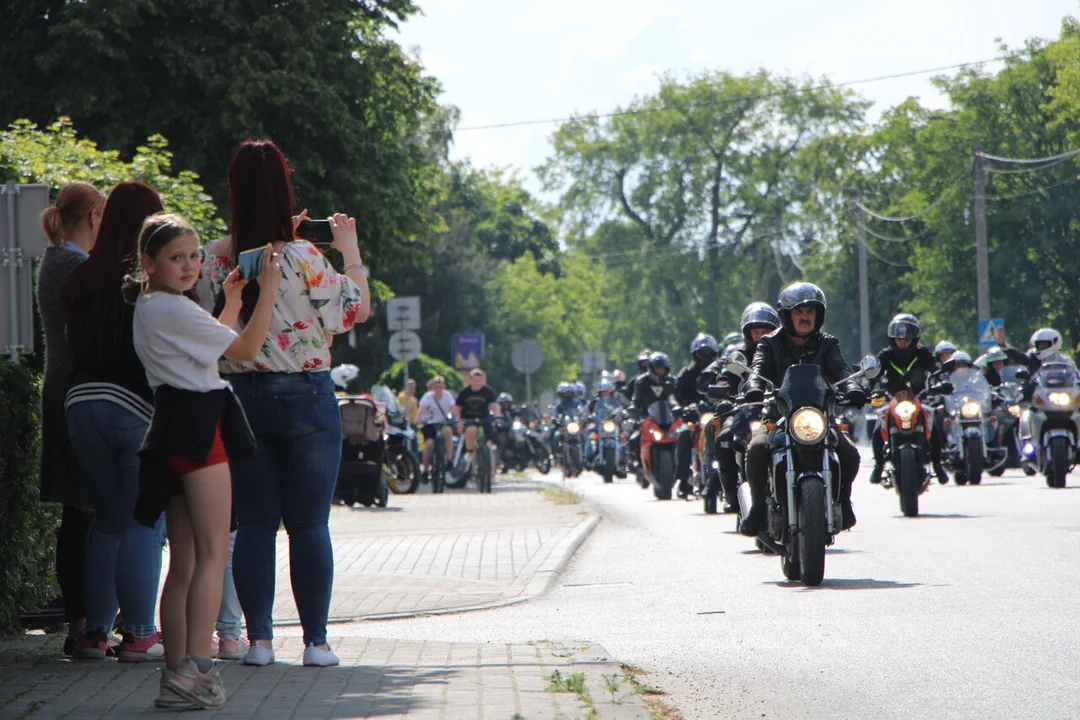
(476,403)
(436,408)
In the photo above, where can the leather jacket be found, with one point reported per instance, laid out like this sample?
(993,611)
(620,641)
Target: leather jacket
(776,352)
(909,372)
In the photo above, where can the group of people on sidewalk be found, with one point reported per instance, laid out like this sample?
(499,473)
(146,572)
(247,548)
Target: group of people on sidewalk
(183,401)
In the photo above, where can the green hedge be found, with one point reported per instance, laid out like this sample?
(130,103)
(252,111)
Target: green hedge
(27,526)
(422,369)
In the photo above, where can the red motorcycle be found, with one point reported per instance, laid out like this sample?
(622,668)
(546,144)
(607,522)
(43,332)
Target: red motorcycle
(659,431)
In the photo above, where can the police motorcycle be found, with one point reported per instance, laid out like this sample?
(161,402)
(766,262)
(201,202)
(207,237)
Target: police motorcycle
(1050,426)
(970,424)
(804,511)
(906,424)
(1010,407)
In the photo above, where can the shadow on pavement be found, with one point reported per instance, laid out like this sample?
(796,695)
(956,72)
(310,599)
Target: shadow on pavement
(955,516)
(847,584)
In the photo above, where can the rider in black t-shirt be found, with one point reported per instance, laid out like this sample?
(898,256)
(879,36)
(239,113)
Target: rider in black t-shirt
(476,402)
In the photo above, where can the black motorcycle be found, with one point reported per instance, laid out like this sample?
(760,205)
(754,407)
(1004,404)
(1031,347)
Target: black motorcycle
(571,432)
(520,447)
(803,506)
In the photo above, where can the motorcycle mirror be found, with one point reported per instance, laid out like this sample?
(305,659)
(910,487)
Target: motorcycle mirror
(718,392)
(871,368)
(737,357)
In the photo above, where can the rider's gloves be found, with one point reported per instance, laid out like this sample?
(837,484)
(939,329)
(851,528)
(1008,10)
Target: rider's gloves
(856,398)
(754,395)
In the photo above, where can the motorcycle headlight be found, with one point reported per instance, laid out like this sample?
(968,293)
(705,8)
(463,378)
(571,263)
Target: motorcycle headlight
(808,425)
(754,425)
(657,435)
(609,426)
(906,412)
(1059,398)
(573,428)
(878,401)
(517,425)
(1015,410)
(972,409)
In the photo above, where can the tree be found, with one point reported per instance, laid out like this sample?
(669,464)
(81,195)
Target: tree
(347,105)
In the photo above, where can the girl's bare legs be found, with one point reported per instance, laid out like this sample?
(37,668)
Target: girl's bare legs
(174,594)
(208,493)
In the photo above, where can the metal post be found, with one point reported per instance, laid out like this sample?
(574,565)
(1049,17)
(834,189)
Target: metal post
(405,391)
(528,387)
(13,261)
(864,286)
(982,268)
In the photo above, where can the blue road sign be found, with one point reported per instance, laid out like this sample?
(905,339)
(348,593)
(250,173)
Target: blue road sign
(988,331)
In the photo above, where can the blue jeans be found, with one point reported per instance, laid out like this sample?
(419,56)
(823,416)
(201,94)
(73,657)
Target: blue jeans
(290,480)
(230,616)
(123,563)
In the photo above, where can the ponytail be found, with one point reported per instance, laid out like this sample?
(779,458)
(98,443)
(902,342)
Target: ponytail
(75,201)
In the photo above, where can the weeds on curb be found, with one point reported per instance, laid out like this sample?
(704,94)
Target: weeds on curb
(574,684)
(613,685)
(561,496)
(650,694)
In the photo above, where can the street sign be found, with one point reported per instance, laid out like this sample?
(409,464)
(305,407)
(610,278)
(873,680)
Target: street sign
(403,313)
(21,238)
(527,357)
(467,349)
(404,345)
(988,331)
(594,362)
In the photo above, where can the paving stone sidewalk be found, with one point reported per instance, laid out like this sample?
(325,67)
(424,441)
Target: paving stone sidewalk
(423,554)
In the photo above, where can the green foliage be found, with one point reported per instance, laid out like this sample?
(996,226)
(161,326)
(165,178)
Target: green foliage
(27,527)
(56,155)
(422,369)
(355,114)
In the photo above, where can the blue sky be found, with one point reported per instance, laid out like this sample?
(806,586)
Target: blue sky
(510,60)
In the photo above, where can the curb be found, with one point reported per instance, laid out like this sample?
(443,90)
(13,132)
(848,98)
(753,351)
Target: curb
(542,581)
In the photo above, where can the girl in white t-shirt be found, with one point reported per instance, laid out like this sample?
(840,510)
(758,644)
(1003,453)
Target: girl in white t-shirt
(193,431)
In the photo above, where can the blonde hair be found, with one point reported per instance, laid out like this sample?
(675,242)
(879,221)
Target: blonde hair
(157,231)
(437,380)
(75,201)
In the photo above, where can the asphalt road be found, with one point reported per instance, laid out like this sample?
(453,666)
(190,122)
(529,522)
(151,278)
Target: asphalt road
(967,611)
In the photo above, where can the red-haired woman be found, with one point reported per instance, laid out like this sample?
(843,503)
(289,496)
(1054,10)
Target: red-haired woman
(289,399)
(71,227)
(108,410)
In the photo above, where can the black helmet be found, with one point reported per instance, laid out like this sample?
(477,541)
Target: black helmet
(904,326)
(657,361)
(757,315)
(505,398)
(643,358)
(703,349)
(797,295)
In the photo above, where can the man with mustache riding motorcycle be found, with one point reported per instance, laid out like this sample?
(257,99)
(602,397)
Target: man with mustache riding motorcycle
(906,365)
(799,340)
(758,320)
(703,351)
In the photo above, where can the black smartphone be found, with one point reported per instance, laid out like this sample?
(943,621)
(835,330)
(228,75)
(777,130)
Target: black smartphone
(316,231)
(250,263)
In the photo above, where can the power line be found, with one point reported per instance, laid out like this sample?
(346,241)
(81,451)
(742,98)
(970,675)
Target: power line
(1028,169)
(910,238)
(763,96)
(881,259)
(1033,192)
(1035,161)
(931,206)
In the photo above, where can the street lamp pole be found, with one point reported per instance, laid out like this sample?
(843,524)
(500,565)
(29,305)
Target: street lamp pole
(864,285)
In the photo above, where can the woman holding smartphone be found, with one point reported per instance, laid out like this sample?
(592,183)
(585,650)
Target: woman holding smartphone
(289,398)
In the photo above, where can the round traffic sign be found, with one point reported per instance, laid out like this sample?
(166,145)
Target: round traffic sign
(527,357)
(404,345)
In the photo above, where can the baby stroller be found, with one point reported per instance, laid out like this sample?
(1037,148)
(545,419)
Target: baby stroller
(360,476)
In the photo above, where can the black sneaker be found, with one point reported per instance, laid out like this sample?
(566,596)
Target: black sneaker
(875,475)
(942,476)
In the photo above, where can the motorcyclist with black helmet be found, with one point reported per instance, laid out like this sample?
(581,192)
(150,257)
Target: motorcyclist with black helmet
(703,352)
(643,369)
(906,364)
(799,340)
(655,385)
(758,320)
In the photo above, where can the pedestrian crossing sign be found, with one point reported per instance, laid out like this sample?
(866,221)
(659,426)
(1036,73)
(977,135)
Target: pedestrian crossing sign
(988,331)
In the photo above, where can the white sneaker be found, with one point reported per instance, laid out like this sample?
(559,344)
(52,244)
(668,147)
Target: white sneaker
(259,655)
(316,657)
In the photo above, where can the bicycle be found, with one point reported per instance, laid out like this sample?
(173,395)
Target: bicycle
(481,459)
(438,460)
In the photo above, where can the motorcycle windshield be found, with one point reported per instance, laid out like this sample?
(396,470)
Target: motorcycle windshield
(606,407)
(803,385)
(1057,376)
(660,413)
(969,385)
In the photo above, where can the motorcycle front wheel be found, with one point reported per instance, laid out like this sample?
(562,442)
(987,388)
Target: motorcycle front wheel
(909,471)
(1059,462)
(608,469)
(403,477)
(973,460)
(664,472)
(813,532)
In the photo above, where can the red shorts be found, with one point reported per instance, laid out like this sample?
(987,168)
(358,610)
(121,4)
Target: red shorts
(181,466)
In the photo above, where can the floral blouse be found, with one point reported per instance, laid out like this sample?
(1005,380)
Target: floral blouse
(313,298)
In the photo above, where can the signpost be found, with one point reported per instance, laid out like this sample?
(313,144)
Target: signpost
(467,349)
(22,239)
(527,357)
(593,362)
(988,331)
(403,317)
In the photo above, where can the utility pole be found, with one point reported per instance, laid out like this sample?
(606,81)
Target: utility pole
(864,286)
(982,266)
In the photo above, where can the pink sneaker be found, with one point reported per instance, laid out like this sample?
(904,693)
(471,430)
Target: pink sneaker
(91,645)
(134,649)
(229,647)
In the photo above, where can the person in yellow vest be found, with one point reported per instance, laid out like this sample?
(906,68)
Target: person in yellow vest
(412,408)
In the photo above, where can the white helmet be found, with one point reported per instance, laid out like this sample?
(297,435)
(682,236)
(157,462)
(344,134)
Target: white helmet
(606,384)
(342,375)
(1046,335)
